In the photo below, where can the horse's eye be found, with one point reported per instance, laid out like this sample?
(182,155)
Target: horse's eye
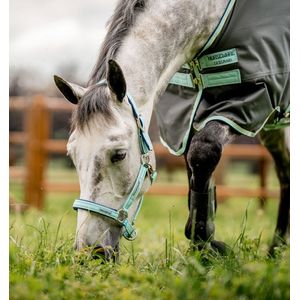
(118,156)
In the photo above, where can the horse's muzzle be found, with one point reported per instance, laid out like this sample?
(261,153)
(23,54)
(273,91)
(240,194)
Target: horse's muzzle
(106,253)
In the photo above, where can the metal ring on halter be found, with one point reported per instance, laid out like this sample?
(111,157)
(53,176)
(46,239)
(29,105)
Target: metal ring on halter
(130,237)
(122,215)
(145,158)
(139,122)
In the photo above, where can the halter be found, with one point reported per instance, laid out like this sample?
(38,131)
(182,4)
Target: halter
(121,215)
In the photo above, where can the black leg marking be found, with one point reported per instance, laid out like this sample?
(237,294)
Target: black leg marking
(202,158)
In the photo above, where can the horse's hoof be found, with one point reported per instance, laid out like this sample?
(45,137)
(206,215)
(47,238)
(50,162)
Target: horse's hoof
(272,251)
(221,248)
(275,249)
(277,244)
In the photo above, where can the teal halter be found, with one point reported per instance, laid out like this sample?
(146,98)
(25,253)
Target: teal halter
(121,215)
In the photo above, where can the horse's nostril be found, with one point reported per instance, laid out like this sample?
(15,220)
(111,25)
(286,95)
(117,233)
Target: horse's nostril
(98,252)
(106,253)
(99,249)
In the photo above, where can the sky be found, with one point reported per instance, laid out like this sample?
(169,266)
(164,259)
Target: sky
(47,37)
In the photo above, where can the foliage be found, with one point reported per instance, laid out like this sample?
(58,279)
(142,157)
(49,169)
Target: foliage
(158,265)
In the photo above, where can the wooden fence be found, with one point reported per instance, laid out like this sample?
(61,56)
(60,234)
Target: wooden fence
(37,112)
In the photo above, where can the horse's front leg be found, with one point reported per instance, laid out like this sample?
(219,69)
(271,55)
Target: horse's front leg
(202,157)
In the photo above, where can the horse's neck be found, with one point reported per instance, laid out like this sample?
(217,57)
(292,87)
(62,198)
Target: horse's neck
(162,39)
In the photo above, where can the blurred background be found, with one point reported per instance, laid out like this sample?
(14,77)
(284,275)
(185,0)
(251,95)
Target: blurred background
(54,37)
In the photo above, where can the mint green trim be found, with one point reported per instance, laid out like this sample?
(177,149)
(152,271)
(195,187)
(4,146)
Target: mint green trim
(282,123)
(182,79)
(276,126)
(221,78)
(186,66)
(136,187)
(233,124)
(219,27)
(209,42)
(225,120)
(137,210)
(218,59)
(207,80)
(186,136)
(96,208)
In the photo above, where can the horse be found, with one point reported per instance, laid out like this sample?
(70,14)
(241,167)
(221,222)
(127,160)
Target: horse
(146,43)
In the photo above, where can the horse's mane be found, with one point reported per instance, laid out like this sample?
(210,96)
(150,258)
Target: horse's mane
(118,26)
(95,99)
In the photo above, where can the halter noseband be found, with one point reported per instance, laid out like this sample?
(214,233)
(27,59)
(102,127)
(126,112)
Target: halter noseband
(121,215)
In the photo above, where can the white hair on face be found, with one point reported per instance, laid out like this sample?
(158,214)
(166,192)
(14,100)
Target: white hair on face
(150,40)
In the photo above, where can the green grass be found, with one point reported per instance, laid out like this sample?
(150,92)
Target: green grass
(157,265)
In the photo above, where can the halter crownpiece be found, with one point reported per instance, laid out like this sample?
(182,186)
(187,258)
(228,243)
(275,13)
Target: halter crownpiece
(121,215)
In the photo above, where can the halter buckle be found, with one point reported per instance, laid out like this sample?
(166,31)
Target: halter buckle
(145,158)
(122,215)
(152,174)
(139,122)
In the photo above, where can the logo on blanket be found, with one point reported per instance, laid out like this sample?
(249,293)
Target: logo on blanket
(219,58)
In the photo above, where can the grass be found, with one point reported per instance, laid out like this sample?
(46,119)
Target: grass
(159,264)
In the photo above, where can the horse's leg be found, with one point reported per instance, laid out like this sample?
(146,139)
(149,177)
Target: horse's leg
(189,175)
(275,142)
(202,157)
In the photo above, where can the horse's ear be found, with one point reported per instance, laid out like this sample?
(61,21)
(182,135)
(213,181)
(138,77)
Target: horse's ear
(71,91)
(116,80)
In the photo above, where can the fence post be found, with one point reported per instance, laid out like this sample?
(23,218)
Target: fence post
(37,127)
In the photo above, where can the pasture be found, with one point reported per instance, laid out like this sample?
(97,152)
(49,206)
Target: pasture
(159,264)
(236,49)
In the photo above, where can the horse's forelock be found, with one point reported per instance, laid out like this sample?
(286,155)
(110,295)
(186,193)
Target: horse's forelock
(95,100)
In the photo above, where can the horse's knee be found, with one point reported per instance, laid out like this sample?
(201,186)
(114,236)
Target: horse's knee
(204,153)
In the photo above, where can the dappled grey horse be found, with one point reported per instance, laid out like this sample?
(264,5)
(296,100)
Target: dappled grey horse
(233,58)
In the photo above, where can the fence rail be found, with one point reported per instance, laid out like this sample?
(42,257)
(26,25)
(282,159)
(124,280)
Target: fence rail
(38,146)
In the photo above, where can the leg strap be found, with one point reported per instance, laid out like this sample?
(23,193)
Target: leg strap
(201,217)
(204,203)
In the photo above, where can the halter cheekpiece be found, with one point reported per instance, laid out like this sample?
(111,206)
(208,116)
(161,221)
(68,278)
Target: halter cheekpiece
(121,215)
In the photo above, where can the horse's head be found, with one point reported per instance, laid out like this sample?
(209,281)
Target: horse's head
(106,146)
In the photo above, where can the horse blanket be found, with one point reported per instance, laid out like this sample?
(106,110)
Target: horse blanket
(242,72)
